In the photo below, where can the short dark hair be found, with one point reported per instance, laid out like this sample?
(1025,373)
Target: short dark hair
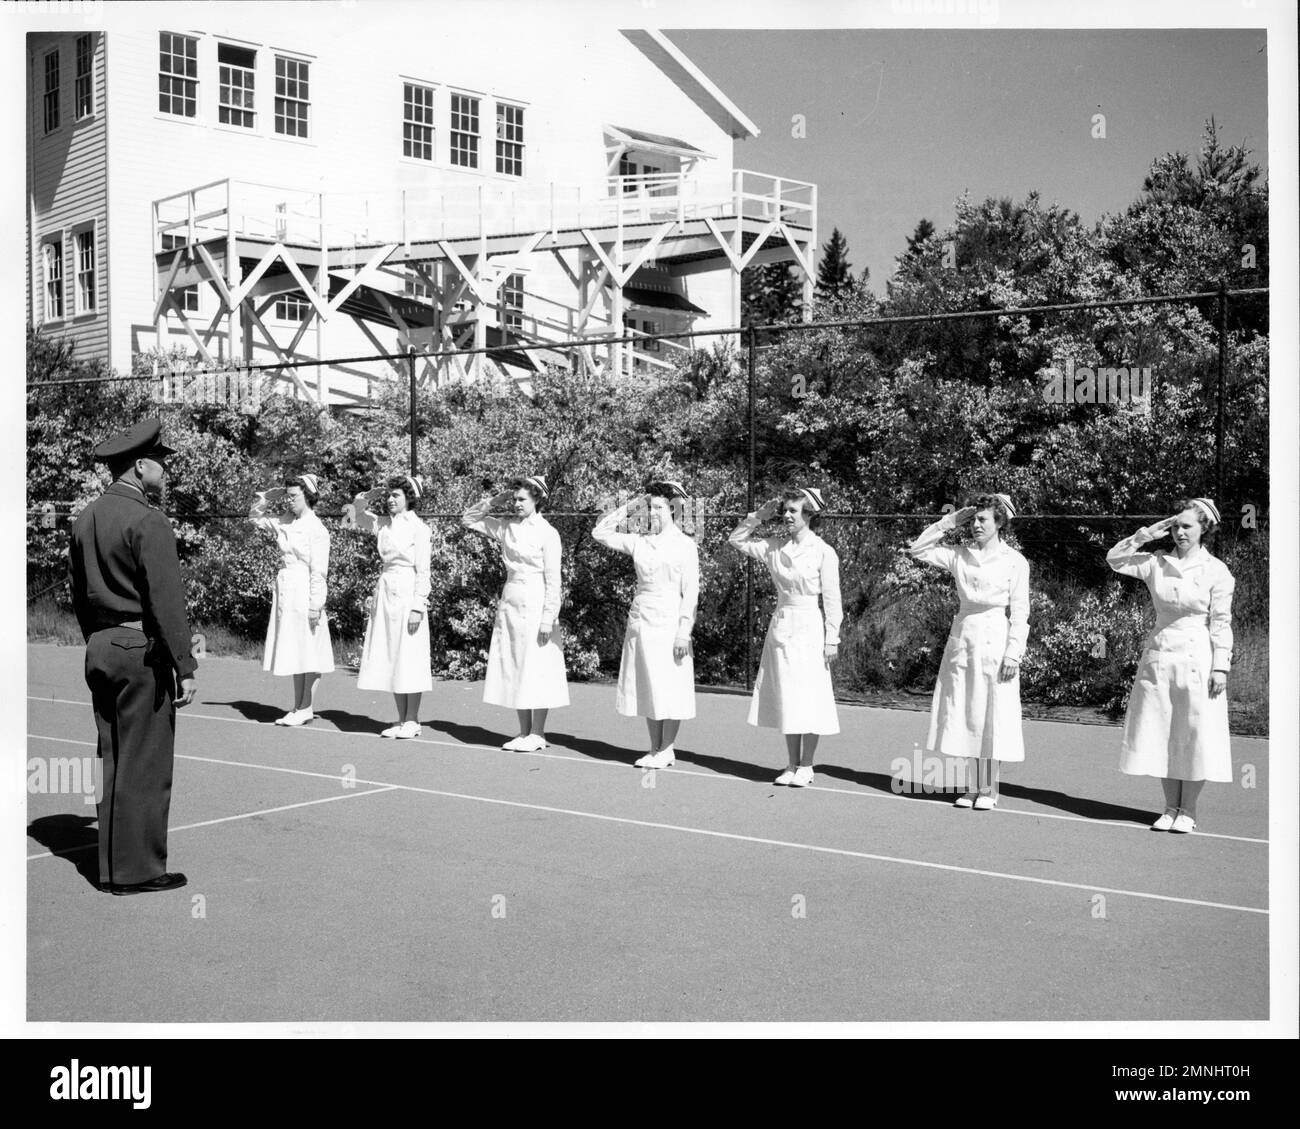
(522,483)
(402,483)
(792,494)
(1209,527)
(1001,518)
(311,496)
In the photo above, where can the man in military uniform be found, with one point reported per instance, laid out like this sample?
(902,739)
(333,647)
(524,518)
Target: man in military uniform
(127,593)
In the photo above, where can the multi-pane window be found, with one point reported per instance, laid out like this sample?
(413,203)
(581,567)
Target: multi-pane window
(650,327)
(235,66)
(512,302)
(51,91)
(291,96)
(53,279)
(291,307)
(417,121)
(416,287)
(86,271)
(187,297)
(510,139)
(178,74)
(84,90)
(627,170)
(464,131)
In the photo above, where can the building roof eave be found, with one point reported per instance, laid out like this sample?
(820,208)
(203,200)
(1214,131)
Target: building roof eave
(692,81)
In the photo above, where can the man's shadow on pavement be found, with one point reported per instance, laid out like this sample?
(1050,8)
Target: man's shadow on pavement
(74,837)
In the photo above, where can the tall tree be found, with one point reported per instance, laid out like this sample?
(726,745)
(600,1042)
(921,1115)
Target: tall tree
(834,279)
(769,293)
(924,229)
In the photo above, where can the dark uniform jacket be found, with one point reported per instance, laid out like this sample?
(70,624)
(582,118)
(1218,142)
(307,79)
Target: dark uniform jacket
(124,568)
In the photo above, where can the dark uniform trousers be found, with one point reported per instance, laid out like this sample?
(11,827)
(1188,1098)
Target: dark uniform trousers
(133,689)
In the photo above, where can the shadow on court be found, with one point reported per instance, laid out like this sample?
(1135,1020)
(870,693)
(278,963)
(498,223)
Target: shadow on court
(74,837)
(252,711)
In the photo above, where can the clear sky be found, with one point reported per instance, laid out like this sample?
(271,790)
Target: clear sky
(900,122)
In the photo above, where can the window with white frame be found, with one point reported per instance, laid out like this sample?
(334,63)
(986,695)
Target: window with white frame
(178,74)
(84,243)
(417,121)
(292,99)
(235,75)
(187,297)
(464,131)
(512,302)
(510,139)
(53,252)
(650,327)
(51,101)
(84,89)
(291,307)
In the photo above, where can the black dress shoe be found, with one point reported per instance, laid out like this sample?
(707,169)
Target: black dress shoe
(153,886)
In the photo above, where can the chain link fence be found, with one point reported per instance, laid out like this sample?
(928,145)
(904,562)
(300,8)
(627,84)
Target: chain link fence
(895,419)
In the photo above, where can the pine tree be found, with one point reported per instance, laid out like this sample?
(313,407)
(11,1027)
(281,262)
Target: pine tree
(924,229)
(833,269)
(768,294)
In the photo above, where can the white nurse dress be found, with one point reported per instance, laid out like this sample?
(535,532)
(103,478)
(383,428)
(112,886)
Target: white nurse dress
(793,691)
(392,657)
(651,681)
(292,647)
(973,713)
(521,673)
(1173,728)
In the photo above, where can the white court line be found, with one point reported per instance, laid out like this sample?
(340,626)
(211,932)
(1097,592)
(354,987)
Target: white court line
(724,776)
(384,785)
(225,818)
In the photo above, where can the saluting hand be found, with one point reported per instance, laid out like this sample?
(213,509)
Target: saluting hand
(767,511)
(963,515)
(1156,531)
(188,690)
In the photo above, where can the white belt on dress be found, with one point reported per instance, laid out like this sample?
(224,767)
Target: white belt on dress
(796,600)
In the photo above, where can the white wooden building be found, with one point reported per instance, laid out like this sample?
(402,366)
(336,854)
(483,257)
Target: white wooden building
(288,182)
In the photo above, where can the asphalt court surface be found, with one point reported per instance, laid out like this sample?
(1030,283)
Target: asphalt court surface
(336,876)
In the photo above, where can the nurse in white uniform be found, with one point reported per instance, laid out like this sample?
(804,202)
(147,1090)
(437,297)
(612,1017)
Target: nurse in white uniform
(793,691)
(395,655)
(656,678)
(298,635)
(525,667)
(1176,726)
(975,711)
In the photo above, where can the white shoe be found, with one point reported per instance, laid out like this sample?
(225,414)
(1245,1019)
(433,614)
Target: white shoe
(984,803)
(391,731)
(663,759)
(407,730)
(1183,823)
(1166,821)
(532,743)
(785,777)
(298,717)
(803,776)
(286,720)
(515,743)
(966,801)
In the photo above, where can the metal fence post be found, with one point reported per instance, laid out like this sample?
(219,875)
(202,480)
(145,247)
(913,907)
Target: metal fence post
(410,353)
(1223,368)
(749,508)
